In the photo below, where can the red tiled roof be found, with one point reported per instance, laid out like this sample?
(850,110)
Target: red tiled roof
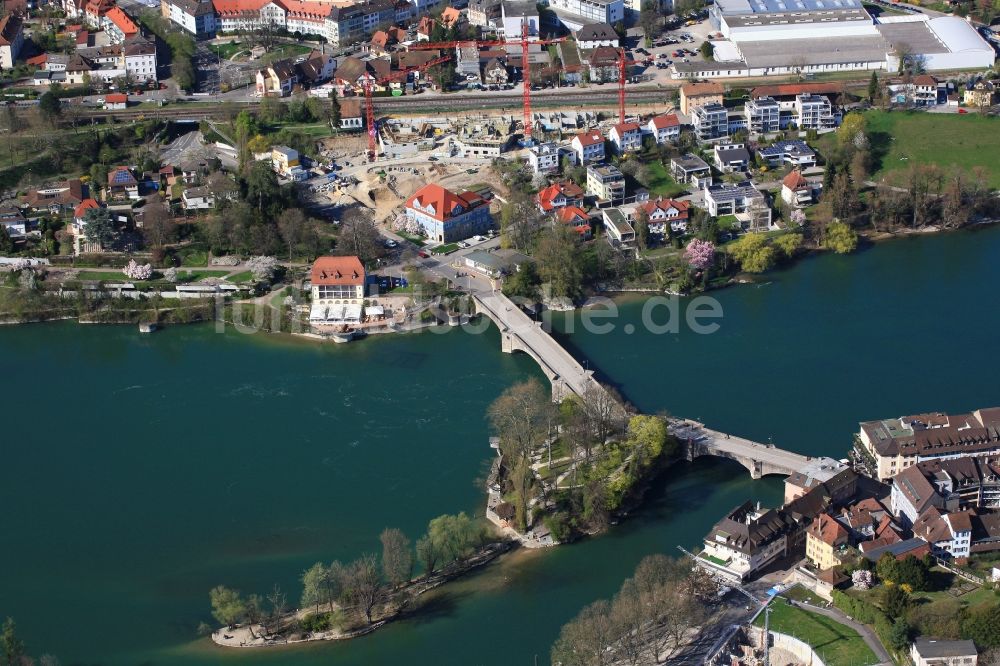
(666,120)
(665,205)
(548,195)
(122,20)
(441,203)
(795,180)
(337,271)
(622,128)
(116,98)
(38,59)
(590,138)
(82,37)
(828,530)
(450,15)
(576,216)
(698,89)
(84,206)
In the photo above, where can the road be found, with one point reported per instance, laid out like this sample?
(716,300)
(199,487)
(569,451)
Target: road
(731,446)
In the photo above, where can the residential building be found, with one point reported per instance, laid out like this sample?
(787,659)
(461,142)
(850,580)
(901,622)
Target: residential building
(826,541)
(604,64)
(915,547)
(277,79)
(690,169)
(794,152)
(594,35)
(284,159)
(58,199)
(710,121)
(694,95)
(814,112)
(574,14)
(122,183)
(495,72)
(949,534)
(743,200)
(139,59)
(950,484)
(337,285)
(979,93)
(664,127)
(666,216)
(544,157)
(484,13)
(194,16)
(316,68)
(921,90)
(515,16)
(619,230)
(576,219)
(13,222)
(11,40)
(119,26)
(626,137)
(197,198)
(559,195)
(588,146)
(889,446)
(495,264)
(796,190)
(448,217)
(731,157)
(937,652)
(747,540)
(763,115)
(606,183)
(350,114)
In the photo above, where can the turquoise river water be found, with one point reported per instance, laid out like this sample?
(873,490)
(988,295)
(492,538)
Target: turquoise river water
(139,471)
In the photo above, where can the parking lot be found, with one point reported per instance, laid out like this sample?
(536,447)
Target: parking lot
(679,44)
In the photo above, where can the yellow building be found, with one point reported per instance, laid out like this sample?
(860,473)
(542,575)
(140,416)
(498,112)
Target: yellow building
(979,95)
(695,95)
(284,159)
(825,541)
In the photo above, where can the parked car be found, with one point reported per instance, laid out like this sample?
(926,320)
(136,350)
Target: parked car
(423,255)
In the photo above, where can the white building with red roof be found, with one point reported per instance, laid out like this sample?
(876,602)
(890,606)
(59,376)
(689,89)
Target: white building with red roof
(337,285)
(663,212)
(796,190)
(447,217)
(576,219)
(559,195)
(118,25)
(627,137)
(664,127)
(588,146)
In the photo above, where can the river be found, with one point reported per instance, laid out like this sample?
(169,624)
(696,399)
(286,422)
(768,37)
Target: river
(140,471)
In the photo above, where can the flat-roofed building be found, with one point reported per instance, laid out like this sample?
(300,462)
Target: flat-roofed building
(606,182)
(710,121)
(763,115)
(743,200)
(814,112)
(691,169)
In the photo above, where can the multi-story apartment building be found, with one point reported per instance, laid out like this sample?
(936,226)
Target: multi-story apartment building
(626,137)
(743,200)
(814,112)
(825,541)
(588,146)
(194,16)
(746,541)
(794,152)
(694,95)
(543,157)
(606,182)
(574,14)
(448,217)
(11,40)
(139,58)
(710,121)
(763,115)
(889,446)
(665,127)
(515,15)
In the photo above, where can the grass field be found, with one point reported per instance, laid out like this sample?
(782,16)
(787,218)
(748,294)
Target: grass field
(836,644)
(660,182)
(901,138)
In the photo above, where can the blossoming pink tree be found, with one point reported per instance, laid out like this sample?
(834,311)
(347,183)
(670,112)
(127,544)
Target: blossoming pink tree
(700,254)
(134,271)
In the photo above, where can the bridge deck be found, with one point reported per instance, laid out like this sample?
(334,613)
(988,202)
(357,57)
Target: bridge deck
(713,442)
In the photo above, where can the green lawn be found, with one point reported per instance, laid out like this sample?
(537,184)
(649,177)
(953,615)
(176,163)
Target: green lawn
(416,240)
(901,138)
(245,276)
(445,249)
(836,644)
(228,50)
(193,256)
(660,182)
(194,276)
(799,593)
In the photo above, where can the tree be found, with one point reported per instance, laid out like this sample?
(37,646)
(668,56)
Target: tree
(334,114)
(700,254)
(158,227)
(397,561)
(873,87)
(454,536)
(363,584)
(359,236)
(6,242)
(263,268)
(899,635)
(100,227)
(314,585)
(587,639)
(291,226)
(895,600)
(707,50)
(753,253)
(12,646)
(50,107)
(228,606)
(840,238)
(788,244)
(558,261)
(428,554)
(648,433)
(520,221)
(642,228)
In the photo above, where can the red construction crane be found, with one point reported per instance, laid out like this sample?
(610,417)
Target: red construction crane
(623,65)
(525,63)
(370,105)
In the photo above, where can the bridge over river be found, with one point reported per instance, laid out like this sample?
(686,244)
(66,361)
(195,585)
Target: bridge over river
(519,332)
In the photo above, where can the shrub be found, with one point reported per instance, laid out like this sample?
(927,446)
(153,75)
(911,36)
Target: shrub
(317,622)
